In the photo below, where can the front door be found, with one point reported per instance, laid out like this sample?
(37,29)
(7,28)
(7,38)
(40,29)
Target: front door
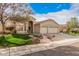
(30,27)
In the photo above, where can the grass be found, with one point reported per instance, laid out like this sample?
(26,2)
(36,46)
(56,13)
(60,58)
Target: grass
(15,40)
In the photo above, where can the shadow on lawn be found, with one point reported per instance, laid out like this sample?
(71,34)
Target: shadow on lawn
(22,36)
(59,51)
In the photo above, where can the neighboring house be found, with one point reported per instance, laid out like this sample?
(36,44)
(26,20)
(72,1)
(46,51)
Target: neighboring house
(46,26)
(63,28)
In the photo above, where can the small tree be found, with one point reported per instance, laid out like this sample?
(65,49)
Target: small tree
(72,24)
(8,10)
(23,17)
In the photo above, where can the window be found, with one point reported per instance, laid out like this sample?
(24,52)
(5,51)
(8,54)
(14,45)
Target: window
(20,27)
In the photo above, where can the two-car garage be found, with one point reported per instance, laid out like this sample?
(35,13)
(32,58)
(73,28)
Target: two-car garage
(47,26)
(45,30)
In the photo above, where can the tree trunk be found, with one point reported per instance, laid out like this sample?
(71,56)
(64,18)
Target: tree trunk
(25,28)
(3,29)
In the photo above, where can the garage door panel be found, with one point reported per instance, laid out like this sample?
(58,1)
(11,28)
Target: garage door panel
(43,30)
(52,30)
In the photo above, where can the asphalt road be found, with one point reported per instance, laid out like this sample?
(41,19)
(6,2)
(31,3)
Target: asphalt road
(70,50)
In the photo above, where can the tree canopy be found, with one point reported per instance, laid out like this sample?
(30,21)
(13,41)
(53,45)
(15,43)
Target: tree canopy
(73,23)
(13,11)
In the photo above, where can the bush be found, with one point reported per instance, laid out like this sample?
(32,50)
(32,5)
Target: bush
(38,35)
(3,41)
(9,28)
(74,34)
(22,36)
(29,42)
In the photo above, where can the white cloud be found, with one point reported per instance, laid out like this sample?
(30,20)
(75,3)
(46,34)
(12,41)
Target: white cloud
(60,17)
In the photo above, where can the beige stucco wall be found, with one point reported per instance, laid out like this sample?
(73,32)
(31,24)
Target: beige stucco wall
(20,27)
(37,28)
(7,24)
(49,23)
(46,24)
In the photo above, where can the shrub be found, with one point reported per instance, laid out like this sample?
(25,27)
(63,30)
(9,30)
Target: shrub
(3,41)
(23,36)
(9,28)
(38,35)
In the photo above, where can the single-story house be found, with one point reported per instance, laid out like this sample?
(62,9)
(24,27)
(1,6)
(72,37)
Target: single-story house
(31,26)
(46,26)
(26,27)
(21,26)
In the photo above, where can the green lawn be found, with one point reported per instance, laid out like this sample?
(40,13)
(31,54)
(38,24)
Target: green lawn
(15,40)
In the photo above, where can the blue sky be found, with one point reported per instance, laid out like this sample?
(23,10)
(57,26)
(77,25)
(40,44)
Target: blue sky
(42,8)
(60,12)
